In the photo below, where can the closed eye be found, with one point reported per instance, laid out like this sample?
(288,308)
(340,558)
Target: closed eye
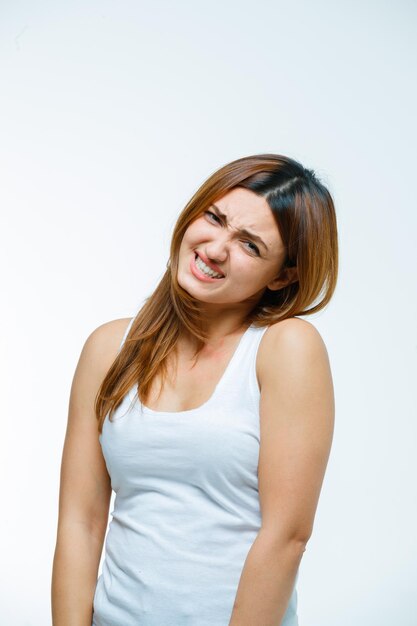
(254,247)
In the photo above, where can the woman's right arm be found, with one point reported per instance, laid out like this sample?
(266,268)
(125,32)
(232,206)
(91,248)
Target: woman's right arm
(85,488)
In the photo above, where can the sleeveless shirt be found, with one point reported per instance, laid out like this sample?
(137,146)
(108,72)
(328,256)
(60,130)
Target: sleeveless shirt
(186,509)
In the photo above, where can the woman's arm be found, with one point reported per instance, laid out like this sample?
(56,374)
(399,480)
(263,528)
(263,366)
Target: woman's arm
(297,423)
(85,488)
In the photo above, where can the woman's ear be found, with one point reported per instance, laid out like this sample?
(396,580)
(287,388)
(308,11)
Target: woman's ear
(287,276)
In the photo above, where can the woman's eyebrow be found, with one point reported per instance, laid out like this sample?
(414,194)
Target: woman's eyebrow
(242,231)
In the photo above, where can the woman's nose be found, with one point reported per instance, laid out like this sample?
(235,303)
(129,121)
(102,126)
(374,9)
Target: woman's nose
(219,242)
(217,250)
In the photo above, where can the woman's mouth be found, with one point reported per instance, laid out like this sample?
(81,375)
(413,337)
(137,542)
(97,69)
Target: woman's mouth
(202,271)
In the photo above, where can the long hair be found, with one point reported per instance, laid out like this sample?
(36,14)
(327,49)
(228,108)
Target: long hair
(305,215)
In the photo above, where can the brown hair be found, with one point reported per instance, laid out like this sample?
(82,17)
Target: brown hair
(305,215)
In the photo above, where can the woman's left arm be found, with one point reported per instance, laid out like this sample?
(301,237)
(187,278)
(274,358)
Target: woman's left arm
(296,422)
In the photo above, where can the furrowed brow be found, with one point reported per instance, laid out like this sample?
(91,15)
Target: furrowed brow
(242,231)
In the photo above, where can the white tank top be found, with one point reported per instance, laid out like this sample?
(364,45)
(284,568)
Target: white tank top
(186,510)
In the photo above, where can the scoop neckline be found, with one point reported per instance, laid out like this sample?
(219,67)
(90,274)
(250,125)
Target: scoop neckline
(145,409)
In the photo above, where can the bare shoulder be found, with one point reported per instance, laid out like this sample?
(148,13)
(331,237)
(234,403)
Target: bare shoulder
(97,355)
(293,329)
(291,340)
(104,341)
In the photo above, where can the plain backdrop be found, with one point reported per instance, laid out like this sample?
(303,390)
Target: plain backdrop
(112,115)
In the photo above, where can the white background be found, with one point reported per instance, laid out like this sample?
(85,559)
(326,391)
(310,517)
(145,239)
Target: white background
(112,115)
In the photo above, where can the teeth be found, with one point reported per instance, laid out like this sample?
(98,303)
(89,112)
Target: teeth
(205,269)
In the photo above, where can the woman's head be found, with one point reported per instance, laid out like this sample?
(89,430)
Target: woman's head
(238,238)
(289,269)
(283,203)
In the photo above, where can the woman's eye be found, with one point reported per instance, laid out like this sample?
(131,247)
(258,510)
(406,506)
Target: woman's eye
(212,215)
(255,248)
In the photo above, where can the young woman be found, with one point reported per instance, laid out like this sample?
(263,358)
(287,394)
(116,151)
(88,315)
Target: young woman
(211,416)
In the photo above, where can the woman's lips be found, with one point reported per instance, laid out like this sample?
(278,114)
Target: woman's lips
(198,273)
(212,266)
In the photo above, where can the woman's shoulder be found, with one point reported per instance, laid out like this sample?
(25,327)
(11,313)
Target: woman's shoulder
(110,333)
(289,339)
(104,341)
(96,357)
(294,328)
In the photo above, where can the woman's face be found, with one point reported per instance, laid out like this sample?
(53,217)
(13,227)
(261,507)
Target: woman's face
(248,264)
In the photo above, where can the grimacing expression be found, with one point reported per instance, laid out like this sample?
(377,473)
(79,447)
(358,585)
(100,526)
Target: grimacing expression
(249,261)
